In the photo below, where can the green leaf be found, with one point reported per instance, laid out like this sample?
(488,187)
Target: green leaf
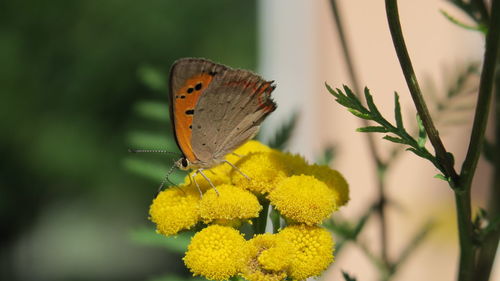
(395,139)
(151,170)
(422,135)
(372,129)
(152,78)
(345,102)
(154,110)
(340,227)
(418,152)
(397,112)
(349,93)
(441,177)
(146,236)
(283,134)
(330,89)
(361,224)
(353,98)
(481,28)
(359,114)
(347,277)
(327,157)
(371,105)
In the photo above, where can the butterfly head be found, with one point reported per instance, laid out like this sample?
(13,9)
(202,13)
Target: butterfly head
(183,164)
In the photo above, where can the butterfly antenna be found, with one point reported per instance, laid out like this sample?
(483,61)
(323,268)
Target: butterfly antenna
(132,150)
(165,179)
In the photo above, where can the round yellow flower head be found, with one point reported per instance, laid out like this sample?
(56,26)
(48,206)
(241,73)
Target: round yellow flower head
(216,253)
(295,164)
(232,203)
(303,199)
(175,209)
(220,173)
(247,148)
(269,258)
(313,250)
(265,169)
(333,179)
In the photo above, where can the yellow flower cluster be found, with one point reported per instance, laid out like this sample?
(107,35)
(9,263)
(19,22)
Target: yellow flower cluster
(303,194)
(297,252)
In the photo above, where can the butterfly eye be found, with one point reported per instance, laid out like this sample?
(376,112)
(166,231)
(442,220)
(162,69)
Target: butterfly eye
(184,162)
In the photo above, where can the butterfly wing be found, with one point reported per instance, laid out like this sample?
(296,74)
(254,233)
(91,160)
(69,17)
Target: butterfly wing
(189,78)
(229,112)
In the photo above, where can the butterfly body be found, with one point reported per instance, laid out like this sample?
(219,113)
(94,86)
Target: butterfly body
(215,109)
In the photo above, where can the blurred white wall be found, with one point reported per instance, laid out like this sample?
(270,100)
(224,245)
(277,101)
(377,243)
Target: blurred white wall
(299,48)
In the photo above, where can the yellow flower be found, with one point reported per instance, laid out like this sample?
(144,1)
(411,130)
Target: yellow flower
(231,203)
(220,174)
(217,175)
(175,209)
(333,179)
(303,199)
(295,164)
(269,258)
(313,250)
(216,253)
(265,169)
(247,148)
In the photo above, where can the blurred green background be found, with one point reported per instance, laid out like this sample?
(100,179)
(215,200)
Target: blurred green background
(78,80)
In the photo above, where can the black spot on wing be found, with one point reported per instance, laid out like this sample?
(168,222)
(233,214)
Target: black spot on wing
(190,111)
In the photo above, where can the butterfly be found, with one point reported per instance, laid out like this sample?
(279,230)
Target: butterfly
(214,109)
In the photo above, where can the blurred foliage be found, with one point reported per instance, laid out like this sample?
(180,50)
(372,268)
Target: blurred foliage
(148,236)
(71,75)
(284,133)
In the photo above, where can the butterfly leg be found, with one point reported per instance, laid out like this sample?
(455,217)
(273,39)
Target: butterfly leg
(209,181)
(239,155)
(200,171)
(193,178)
(236,168)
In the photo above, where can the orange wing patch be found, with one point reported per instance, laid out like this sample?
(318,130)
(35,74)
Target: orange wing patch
(184,101)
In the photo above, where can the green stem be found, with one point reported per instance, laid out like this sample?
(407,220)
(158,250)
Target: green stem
(380,165)
(484,97)
(487,253)
(462,195)
(411,80)
(259,224)
(465,235)
(275,219)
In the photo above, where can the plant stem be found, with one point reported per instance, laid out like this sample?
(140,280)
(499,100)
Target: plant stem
(275,220)
(477,139)
(461,184)
(465,235)
(411,80)
(484,97)
(380,165)
(259,224)
(486,255)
